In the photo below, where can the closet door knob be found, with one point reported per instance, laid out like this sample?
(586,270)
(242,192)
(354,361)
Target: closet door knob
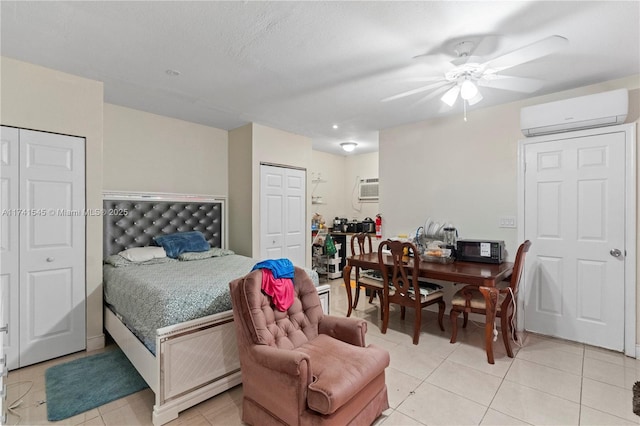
(50,259)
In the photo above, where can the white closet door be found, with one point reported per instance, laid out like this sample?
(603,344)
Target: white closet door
(52,246)
(283,214)
(9,243)
(295,223)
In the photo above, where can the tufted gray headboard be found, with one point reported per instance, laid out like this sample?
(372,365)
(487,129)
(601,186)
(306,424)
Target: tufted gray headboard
(132,220)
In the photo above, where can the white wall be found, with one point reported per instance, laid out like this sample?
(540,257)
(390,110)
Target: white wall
(43,99)
(240,190)
(339,192)
(152,153)
(362,166)
(463,172)
(249,147)
(330,168)
(278,147)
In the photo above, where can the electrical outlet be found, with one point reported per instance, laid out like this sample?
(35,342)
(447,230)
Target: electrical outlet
(507,222)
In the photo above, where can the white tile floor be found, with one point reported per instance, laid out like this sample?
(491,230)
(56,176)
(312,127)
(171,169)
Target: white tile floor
(549,382)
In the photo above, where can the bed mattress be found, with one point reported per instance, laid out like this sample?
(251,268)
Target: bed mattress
(148,297)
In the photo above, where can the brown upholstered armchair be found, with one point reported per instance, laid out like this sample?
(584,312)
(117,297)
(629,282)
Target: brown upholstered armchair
(302,367)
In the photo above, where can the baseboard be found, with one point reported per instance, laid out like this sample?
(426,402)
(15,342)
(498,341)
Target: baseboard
(95,342)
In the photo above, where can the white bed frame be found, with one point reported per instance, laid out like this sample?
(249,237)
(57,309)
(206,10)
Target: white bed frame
(194,360)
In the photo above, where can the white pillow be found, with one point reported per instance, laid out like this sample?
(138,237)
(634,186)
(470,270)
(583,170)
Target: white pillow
(142,254)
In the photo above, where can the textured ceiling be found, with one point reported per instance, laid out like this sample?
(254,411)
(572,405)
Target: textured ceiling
(305,66)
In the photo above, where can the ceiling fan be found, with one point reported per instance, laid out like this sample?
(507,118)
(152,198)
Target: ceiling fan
(465,74)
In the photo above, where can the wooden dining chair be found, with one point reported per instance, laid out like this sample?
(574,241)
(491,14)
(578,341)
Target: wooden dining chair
(470,299)
(401,285)
(364,245)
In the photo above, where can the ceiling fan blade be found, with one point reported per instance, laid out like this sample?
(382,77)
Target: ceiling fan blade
(434,78)
(485,47)
(435,58)
(414,91)
(506,82)
(430,96)
(451,96)
(528,53)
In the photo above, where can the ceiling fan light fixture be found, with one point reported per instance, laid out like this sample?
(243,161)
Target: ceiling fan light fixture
(451,96)
(348,146)
(477,98)
(468,90)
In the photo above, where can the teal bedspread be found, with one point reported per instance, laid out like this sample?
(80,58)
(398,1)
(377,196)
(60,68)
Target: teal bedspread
(148,297)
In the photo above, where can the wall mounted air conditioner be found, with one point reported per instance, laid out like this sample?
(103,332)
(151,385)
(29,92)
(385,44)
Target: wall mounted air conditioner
(368,189)
(584,112)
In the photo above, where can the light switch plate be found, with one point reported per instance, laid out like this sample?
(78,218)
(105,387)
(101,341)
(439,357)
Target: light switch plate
(507,222)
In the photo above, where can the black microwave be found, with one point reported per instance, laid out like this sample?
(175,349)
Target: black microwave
(485,251)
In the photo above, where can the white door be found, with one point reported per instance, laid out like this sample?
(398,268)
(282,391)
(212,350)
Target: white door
(283,214)
(9,243)
(52,246)
(574,213)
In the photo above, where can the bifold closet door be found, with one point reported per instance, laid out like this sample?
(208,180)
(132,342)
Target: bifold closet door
(9,243)
(283,229)
(52,246)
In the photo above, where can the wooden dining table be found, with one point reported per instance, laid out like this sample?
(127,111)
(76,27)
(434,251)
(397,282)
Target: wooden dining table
(483,275)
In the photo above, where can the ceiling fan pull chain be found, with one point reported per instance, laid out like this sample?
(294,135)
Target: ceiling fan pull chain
(464,107)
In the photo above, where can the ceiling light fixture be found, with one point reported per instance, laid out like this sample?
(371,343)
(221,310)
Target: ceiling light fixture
(468,90)
(451,96)
(348,146)
(172,73)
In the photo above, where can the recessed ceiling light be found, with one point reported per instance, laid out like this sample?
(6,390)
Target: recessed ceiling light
(173,73)
(335,126)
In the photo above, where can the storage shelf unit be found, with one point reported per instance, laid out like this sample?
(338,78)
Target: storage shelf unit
(328,266)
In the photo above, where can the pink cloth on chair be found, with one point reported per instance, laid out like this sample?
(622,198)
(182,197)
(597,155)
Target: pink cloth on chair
(280,290)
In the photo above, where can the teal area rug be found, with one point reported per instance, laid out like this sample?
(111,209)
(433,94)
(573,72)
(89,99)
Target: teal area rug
(86,383)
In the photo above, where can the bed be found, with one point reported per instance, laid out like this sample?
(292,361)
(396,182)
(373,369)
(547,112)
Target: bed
(182,339)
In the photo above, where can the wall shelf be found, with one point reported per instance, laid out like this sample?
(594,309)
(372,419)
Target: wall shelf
(316,199)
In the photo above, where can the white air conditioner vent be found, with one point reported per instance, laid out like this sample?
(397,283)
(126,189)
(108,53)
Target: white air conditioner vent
(368,189)
(584,112)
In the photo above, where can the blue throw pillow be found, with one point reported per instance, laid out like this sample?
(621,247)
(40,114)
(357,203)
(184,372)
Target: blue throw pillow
(180,242)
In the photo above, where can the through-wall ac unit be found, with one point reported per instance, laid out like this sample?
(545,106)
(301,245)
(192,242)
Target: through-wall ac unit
(584,112)
(368,189)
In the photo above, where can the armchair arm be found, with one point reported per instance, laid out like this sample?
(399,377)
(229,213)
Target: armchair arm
(293,363)
(349,330)
(278,379)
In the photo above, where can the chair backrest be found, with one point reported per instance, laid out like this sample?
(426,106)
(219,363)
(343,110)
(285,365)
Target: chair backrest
(363,240)
(400,279)
(264,324)
(518,266)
